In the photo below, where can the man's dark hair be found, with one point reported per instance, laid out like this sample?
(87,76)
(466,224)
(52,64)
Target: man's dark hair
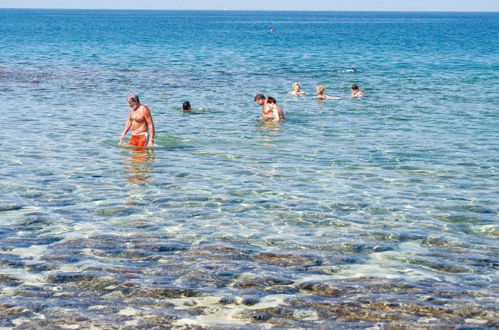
(355,86)
(259,97)
(186,105)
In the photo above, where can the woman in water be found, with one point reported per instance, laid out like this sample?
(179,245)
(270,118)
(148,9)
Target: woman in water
(296,89)
(320,93)
(277,113)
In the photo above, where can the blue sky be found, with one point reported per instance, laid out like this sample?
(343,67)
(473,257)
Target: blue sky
(370,5)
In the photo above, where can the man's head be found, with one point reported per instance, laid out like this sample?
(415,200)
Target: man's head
(355,87)
(260,99)
(186,106)
(133,101)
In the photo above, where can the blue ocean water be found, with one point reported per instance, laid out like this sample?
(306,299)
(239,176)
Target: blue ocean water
(370,212)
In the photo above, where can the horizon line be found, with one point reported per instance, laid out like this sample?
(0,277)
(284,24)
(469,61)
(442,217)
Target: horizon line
(261,10)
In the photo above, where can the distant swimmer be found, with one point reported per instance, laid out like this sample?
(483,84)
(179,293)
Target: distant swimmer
(271,30)
(296,89)
(266,112)
(186,106)
(320,93)
(349,70)
(140,121)
(277,113)
(356,92)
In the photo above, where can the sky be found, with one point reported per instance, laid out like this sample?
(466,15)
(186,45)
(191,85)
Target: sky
(328,5)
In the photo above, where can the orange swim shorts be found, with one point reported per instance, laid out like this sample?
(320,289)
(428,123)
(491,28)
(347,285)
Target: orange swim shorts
(139,140)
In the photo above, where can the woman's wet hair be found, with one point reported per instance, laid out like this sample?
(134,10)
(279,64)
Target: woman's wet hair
(320,89)
(270,99)
(355,86)
(296,84)
(186,105)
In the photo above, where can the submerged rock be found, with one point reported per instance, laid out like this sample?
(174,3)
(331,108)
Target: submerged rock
(10,280)
(227,300)
(10,207)
(71,277)
(250,301)
(325,289)
(11,260)
(256,282)
(288,260)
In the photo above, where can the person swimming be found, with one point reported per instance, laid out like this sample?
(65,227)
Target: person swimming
(186,106)
(356,92)
(296,89)
(320,93)
(348,70)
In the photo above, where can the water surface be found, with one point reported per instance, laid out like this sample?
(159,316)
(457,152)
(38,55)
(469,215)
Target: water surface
(368,212)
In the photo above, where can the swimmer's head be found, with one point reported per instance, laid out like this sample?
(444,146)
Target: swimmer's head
(296,86)
(260,99)
(355,87)
(271,100)
(186,106)
(320,89)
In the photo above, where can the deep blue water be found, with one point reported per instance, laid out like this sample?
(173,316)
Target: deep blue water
(379,211)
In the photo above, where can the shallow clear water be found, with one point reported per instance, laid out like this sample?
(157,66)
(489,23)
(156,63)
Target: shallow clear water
(350,213)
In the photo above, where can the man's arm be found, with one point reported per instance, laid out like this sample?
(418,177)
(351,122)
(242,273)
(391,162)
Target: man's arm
(127,128)
(150,126)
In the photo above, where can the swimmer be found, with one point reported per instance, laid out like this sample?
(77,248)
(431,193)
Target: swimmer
(349,70)
(277,113)
(140,121)
(320,93)
(356,92)
(266,112)
(186,106)
(296,89)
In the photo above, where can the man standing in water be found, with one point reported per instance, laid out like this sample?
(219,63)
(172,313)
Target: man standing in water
(140,121)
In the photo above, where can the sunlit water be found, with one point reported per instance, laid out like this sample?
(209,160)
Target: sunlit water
(350,213)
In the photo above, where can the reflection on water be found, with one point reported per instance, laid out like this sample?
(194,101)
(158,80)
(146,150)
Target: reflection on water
(271,126)
(139,166)
(270,130)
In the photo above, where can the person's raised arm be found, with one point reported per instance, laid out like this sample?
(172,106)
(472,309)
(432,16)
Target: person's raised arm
(150,126)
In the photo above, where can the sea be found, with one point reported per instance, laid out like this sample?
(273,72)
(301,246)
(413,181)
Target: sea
(378,212)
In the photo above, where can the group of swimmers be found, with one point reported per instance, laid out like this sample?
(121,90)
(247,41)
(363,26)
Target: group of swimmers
(142,126)
(271,111)
(356,92)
